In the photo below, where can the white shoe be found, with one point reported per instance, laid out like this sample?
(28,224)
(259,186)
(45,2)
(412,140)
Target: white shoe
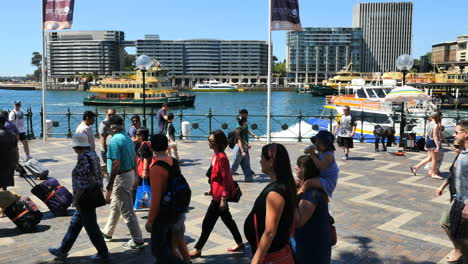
(344,158)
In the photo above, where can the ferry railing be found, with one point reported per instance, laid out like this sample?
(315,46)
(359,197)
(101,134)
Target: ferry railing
(284,127)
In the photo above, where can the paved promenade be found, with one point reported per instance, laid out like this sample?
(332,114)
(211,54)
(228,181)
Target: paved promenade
(383,214)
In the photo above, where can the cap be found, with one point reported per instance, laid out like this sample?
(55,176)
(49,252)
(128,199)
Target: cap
(324,137)
(17,102)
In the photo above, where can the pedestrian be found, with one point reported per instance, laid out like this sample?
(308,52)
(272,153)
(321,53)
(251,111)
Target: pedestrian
(121,164)
(459,210)
(312,219)
(8,156)
(433,144)
(162,117)
(347,127)
(16,116)
(222,186)
(104,133)
(158,222)
(269,225)
(86,175)
(136,124)
(323,156)
(440,153)
(144,153)
(89,117)
(456,254)
(245,132)
(170,134)
(242,156)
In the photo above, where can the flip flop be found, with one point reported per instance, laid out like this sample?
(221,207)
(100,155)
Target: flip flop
(412,170)
(437,177)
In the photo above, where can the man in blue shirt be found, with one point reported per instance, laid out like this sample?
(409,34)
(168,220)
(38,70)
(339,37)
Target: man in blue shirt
(121,167)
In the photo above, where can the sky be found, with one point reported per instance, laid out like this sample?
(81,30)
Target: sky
(434,21)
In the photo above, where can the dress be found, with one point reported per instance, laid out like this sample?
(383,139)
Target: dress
(313,239)
(9,144)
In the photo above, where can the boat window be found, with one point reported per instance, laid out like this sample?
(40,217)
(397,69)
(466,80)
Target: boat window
(372,93)
(163,95)
(361,93)
(380,93)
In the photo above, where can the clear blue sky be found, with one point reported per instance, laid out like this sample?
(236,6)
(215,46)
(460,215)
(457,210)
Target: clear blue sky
(434,21)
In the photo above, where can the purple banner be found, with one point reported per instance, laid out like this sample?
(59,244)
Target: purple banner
(285,15)
(58,14)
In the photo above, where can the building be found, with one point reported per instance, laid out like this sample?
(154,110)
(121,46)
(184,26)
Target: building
(451,53)
(318,53)
(386,32)
(76,52)
(207,57)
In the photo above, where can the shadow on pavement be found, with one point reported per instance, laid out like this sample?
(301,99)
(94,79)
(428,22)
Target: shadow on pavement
(48,160)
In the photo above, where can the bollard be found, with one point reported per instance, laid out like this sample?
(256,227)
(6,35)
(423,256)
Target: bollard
(185,130)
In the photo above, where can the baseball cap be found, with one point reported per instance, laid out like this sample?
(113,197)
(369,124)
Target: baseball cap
(17,102)
(324,137)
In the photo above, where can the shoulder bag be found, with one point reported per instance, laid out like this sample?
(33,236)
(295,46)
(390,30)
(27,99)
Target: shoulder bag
(92,197)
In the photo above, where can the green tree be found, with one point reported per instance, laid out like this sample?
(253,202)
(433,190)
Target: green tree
(129,62)
(36,60)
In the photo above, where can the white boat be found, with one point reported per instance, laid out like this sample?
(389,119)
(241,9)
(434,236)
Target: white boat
(214,86)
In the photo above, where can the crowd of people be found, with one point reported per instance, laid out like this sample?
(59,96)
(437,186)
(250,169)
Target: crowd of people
(289,221)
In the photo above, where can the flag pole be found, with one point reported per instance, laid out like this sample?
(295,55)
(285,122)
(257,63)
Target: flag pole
(269,76)
(43,70)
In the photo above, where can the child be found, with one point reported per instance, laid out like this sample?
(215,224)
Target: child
(324,159)
(170,133)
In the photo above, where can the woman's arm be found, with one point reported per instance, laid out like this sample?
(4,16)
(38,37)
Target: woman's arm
(304,212)
(274,209)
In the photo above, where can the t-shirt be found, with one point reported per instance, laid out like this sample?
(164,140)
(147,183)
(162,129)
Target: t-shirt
(103,128)
(283,232)
(17,117)
(161,120)
(347,122)
(461,176)
(85,129)
(132,131)
(121,147)
(170,132)
(244,132)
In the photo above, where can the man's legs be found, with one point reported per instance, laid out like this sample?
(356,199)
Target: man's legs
(245,165)
(114,214)
(25,147)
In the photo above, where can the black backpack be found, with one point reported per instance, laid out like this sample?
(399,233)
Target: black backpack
(233,137)
(176,200)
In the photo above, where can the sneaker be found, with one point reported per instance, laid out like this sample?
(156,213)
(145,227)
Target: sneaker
(257,178)
(344,158)
(28,157)
(132,245)
(57,253)
(99,258)
(106,237)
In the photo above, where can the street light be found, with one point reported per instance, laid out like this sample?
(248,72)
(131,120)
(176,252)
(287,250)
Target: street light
(143,64)
(404,63)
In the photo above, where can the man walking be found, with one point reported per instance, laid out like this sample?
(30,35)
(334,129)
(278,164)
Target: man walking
(244,133)
(347,126)
(103,131)
(8,157)
(17,117)
(162,117)
(89,117)
(121,164)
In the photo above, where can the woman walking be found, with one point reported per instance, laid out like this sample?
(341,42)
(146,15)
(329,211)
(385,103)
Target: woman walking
(432,146)
(312,219)
(85,176)
(268,227)
(222,186)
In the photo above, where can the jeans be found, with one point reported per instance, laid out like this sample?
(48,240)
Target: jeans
(244,162)
(161,242)
(212,215)
(88,220)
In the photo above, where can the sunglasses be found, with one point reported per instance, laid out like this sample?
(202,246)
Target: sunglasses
(459,132)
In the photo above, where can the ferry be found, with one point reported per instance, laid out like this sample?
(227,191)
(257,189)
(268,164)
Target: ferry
(128,90)
(214,86)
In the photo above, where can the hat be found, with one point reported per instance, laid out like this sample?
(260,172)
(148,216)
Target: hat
(18,102)
(324,137)
(80,140)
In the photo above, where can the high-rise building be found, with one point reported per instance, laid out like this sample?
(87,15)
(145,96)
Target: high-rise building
(204,57)
(386,32)
(71,52)
(316,54)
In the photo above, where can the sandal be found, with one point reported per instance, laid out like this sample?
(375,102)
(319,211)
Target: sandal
(413,170)
(236,248)
(437,177)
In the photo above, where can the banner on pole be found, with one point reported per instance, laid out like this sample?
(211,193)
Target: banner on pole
(58,14)
(285,15)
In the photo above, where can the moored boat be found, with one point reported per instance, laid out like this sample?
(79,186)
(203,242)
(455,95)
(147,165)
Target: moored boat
(214,86)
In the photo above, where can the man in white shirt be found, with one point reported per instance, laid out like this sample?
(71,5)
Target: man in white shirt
(16,116)
(89,117)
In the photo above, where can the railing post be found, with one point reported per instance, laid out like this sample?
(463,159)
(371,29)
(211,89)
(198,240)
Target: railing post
(152,119)
(96,124)
(123,117)
(180,117)
(425,122)
(209,121)
(31,136)
(69,133)
(362,127)
(28,124)
(300,120)
(42,123)
(393,119)
(331,121)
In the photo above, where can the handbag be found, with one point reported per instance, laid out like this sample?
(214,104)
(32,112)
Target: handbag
(282,256)
(235,197)
(92,197)
(140,161)
(334,238)
(143,196)
(456,219)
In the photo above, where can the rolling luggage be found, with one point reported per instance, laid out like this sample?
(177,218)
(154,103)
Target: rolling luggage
(55,196)
(32,167)
(25,214)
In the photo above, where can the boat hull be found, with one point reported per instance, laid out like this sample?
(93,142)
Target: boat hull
(214,90)
(187,101)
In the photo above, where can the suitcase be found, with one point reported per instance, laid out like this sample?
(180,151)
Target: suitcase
(55,196)
(32,167)
(25,214)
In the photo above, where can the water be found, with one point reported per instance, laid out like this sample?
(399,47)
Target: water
(282,103)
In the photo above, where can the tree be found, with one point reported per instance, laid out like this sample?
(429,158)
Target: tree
(36,60)
(129,62)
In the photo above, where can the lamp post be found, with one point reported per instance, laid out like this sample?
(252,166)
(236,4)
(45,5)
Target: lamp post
(404,63)
(144,63)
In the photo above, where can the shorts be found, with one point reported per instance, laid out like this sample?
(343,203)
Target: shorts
(172,144)
(445,218)
(22,136)
(178,229)
(346,142)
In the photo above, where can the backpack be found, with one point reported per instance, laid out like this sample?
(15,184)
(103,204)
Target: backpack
(176,200)
(233,137)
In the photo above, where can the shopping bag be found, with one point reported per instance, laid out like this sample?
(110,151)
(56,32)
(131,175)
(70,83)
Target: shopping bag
(143,196)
